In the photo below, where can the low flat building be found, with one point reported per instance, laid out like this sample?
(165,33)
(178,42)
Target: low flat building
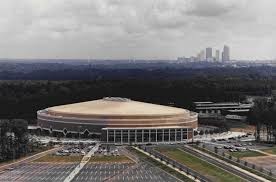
(235,110)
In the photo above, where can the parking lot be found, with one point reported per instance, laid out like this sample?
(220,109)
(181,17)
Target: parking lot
(75,150)
(107,164)
(100,172)
(123,172)
(234,145)
(146,172)
(46,172)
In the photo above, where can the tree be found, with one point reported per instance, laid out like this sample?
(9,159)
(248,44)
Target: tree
(259,115)
(13,139)
(201,132)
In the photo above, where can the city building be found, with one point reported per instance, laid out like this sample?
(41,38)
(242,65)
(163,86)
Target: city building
(217,55)
(120,121)
(209,55)
(226,54)
(202,55)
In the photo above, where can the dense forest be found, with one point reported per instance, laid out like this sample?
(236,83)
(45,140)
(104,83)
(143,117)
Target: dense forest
(21,99)
(26,88)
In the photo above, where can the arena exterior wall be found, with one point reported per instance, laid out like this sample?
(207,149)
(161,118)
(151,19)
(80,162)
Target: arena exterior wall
(125,124)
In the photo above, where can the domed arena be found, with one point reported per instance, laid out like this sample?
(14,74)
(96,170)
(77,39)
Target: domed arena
(120,121)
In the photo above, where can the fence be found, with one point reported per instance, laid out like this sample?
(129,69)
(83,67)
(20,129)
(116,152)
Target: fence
(176,164)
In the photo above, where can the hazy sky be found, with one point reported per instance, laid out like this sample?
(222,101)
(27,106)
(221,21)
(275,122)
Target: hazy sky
(150,29)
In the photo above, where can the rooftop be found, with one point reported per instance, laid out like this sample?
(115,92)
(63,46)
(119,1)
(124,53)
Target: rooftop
(115,106)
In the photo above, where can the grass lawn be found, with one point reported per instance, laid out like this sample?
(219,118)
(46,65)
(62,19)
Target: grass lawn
(111,159)
(271,150)
(246,154)
(55,158)
(212,172)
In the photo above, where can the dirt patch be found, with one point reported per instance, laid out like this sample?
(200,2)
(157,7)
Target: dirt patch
(268,162)
(247,129)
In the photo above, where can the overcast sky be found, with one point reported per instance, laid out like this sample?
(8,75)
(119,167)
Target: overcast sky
(147,29)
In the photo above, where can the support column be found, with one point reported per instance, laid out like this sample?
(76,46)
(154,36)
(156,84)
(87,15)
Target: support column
(181,134)
(149,135)
(121,136)
(169,135)
(142,136)
(187,135)
(163,135)
(128,138)
(156,136)
(135,136)
(107,136)
(175,132)
(114,136)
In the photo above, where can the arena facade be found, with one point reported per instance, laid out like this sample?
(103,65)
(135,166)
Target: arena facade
(120,121)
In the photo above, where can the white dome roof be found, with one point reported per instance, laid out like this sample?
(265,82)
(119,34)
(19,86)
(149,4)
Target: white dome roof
(114,106)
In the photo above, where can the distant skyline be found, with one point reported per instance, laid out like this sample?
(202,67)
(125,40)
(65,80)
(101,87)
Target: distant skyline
(130,29)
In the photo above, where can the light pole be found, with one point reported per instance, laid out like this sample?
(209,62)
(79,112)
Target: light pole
(79,127)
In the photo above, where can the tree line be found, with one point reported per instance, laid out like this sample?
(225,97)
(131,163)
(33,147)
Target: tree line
(22,99)
(263,116)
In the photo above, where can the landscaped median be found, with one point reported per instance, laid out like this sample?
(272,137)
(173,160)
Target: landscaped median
(204,168)
(77,159)
(58,159)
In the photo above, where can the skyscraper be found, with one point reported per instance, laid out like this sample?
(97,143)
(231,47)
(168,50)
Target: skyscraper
(202,55)
(226,54)
(217,55)
(209,53)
